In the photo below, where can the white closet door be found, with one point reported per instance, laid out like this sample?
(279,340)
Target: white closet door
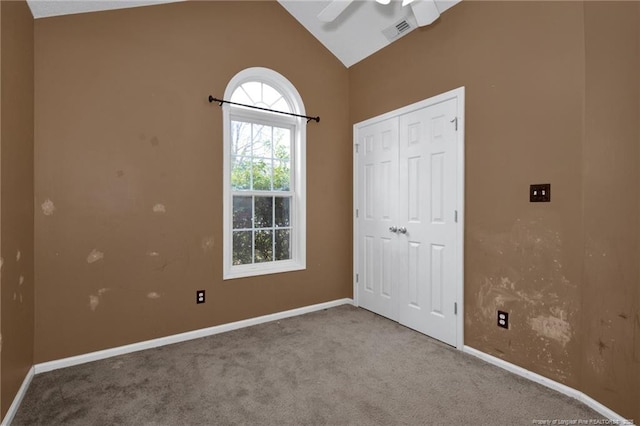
(409,190)
(378,201)
(426,270)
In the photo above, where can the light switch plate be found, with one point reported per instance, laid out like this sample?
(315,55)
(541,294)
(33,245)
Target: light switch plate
(540,193)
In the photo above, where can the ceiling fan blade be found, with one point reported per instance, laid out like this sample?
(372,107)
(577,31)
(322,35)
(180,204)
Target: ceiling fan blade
(333,10)
(425,11)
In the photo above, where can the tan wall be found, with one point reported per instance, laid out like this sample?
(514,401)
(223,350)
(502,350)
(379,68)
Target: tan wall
(524,68)
(1,262)
(123,123)
(16,180)
(610,284)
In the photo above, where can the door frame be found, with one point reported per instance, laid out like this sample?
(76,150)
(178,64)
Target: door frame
(459,94)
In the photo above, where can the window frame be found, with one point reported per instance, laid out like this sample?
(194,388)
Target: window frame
(298,172)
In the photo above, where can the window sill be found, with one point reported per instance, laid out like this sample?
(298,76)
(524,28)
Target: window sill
(253,270)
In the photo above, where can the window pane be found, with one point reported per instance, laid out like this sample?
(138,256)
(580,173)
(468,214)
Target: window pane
(240,96)
(262,175)
(281,105)
(283,244)
(240,173)
(264,212)
(242,243)
(253,90)
(282,141)
(262,141)
(282,176)
(242,212)
(240,138)
(282,212)
(264,246)
(271,96)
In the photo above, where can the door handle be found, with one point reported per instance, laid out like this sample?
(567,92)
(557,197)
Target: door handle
(393,229)
(402,230)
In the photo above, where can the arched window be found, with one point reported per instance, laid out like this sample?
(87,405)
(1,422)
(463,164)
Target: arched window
(264,176)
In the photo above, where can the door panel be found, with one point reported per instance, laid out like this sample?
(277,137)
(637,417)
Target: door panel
(427,290)
(378,180)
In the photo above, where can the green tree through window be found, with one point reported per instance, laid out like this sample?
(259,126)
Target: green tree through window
(260,182)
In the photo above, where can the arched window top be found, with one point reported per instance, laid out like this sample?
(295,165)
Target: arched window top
(265,88)
(260,94)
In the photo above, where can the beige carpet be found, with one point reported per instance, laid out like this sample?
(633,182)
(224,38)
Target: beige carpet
(335,367)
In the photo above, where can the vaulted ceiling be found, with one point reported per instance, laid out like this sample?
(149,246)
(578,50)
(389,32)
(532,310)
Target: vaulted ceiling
(362,28)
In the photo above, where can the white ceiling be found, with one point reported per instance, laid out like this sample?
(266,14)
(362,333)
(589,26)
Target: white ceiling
(354,35)
(357,32)
(46,8)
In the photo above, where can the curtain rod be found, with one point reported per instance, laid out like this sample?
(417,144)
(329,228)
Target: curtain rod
(222,101)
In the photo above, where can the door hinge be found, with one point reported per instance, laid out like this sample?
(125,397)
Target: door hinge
(455,216)
(357,146)
(357,213)
(455,121)
(357,278)
(455,308)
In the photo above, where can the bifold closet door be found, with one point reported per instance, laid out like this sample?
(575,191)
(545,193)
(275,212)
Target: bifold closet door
(427,209)
(378,201)
(406,218)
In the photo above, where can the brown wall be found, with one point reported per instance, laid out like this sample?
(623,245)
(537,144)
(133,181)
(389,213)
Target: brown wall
(123,123)
(2,260)
(530,69)
(610,284)
(16,187)
(523,68)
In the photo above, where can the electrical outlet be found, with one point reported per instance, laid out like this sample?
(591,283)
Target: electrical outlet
(540,193)
(503,319)
(199,296)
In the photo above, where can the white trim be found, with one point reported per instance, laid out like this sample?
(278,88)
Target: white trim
(13,409)
(551,384)
(182,337)
(356,249)
(459,95)
(299,212)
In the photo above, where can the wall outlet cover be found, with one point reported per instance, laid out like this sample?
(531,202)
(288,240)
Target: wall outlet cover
(503,319)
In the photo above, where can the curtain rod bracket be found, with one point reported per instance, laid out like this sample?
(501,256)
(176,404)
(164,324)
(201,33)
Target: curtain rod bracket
(222,101)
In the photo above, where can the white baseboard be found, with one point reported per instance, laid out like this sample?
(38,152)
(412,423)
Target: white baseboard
(182,337)
(552,384)
(13,409)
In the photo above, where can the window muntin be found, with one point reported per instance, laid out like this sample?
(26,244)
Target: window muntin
(260,94)
(262,192)
(264,176)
